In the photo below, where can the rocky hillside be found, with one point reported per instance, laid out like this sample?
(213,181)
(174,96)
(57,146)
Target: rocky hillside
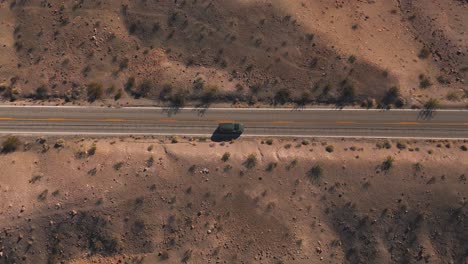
(252,51)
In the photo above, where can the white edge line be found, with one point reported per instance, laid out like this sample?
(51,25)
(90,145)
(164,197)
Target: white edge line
(209,135)
(230,108)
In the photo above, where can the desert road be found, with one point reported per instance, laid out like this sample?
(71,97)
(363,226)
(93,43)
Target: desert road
(357,123)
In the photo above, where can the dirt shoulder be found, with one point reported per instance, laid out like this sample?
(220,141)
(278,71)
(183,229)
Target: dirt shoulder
(249,201)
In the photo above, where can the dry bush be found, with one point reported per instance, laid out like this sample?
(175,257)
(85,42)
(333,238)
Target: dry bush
(226,156)
(251,161)
(11,144)
(94,91)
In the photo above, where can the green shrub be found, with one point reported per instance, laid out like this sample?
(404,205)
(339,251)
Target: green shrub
(117,166)
(392,95)
(269,141)
(271,166)
(226,156)
(315,173)
(424,81)
(210,93)
(41,93)
(305,142)
(198,84)
(282,96)
(251,161)
(352,59)
(442,80)
(330,148)
(432,104)
(452,96)
(94,91)
(424,53)
(129,84)
(92,150)
(178,99)
(401,145)
(11,144)
(387,164)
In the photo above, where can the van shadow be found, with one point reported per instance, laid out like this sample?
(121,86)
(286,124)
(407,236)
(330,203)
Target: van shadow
(217,136)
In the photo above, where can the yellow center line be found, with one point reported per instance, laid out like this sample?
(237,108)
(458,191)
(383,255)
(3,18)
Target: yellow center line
(346,123)
(284,122)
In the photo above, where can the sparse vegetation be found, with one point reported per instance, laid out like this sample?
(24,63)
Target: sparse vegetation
(92,150)
(94,91)
(117,166)
(251,161)
(352,59)
(431,104)
(424,53)
(282,96)
(401,145)
(424,81)
(226,156)
(387,164)
(11,144)
(271,166)
(330,148)
(269,141)
(393,97)
(315,173)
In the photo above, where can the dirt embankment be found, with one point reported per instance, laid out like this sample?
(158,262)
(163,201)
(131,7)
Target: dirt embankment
(281,201)
(248,52)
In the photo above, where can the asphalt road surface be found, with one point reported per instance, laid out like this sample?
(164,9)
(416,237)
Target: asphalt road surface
(258,122)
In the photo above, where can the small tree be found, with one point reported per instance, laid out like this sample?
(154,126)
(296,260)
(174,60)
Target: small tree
(11,144)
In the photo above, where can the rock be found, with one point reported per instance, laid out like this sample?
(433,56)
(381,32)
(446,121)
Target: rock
(209,231)
(205,171)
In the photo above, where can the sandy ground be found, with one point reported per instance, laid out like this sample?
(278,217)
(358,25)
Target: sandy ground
(247,49)
(149,200)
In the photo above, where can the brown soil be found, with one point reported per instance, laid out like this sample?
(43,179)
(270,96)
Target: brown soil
(147,200)
(248,49)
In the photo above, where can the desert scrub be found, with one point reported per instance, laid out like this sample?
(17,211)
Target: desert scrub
(92,150)
(271,166)
(424,53)
(424,81)
(117,166)
(431,104)
(386,144)
(401,145)
(226,156)
(94,91)
(251,161)
(315,173)
(11,144)
(269,141)
(387,164)
(330,148)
